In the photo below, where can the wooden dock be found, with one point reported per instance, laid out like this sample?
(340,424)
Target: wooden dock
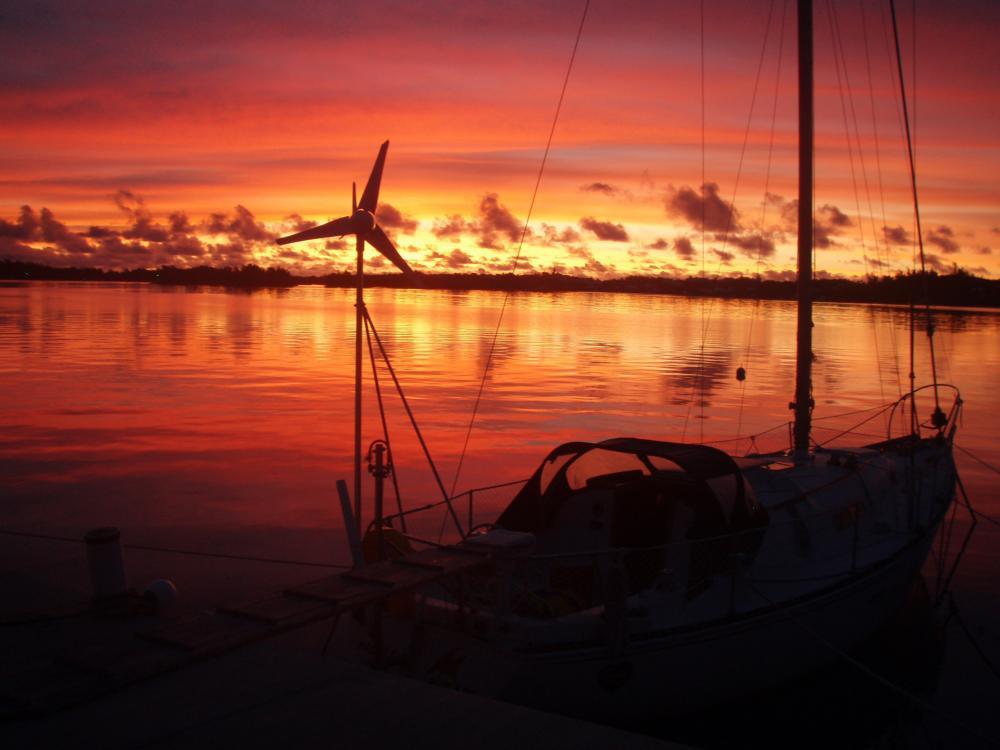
(113,655)
(62,682)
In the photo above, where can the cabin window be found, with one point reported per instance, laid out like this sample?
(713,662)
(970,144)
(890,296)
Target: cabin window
(550,469)
(663,464)
(598,463)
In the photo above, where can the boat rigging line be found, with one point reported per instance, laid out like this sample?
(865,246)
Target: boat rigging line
(520,245)
(847,98)
(865,669)
(878,171)
(385,424)
(954,614)
(370,325)
(741,372)
(938,416)
(977,459)
(699,384)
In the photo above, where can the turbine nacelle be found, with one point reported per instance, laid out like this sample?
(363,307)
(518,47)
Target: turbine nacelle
(361,222)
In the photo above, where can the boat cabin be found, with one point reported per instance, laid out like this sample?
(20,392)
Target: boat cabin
(663,506)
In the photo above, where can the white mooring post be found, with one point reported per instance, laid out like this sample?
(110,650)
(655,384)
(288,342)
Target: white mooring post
(104,558)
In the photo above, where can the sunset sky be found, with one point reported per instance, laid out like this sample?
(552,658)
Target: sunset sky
(136,134)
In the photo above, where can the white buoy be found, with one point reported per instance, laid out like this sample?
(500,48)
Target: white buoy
(161,594)
(104,558)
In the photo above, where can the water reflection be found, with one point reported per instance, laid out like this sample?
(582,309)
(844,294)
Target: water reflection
(159,396)
(694,376)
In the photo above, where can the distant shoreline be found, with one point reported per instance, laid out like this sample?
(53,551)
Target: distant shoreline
(958,289)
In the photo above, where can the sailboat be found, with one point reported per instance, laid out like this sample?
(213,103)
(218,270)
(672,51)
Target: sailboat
(638,576)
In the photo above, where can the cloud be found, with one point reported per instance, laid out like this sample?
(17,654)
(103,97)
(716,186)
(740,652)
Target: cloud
(143,227)
(552,235)
(723,256)
(684,248)
(896,235)
(753,245)
(390,217)
(100,233)
(142,243)
(600,187)
(829,222)
(179,223)
(659,244)
(242,225)
(449,227)
(495,219)
(718,216)
(24,227)
(246,227)
(591,264)
(944,238)
(985,251)
(56,232)
(297,224)
(834,217)
(186,246)
(604,230)
(457,259)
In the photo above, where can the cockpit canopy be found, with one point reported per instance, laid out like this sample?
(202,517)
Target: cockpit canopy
(701,477)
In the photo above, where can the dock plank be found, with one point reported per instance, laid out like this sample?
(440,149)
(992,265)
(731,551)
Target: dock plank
(123,660)
(53,685)
(340,590)
(284,609)
(208,633)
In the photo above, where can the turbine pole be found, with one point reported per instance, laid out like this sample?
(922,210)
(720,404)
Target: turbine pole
(358,322)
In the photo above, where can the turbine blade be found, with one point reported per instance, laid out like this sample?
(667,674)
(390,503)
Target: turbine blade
(369,198)
(378,239)
(336,228)
(354,197)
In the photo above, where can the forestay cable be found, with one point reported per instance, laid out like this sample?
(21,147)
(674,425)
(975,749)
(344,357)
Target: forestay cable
(520,245)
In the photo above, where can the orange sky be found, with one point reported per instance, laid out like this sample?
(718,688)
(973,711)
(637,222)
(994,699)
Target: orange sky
(119,119)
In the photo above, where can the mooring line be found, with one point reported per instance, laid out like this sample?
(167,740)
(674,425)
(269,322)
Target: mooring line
(175,551)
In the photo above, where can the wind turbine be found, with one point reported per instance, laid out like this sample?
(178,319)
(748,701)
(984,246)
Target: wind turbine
(362,224)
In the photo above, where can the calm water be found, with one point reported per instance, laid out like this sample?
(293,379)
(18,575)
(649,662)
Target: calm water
(198,409)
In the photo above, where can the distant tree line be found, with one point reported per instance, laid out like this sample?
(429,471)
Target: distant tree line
(960,288)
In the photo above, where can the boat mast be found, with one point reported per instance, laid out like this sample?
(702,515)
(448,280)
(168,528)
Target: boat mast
(803,356)
(359,307)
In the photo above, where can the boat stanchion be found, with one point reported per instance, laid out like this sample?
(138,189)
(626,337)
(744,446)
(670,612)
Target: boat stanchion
(350,524)
(616,605)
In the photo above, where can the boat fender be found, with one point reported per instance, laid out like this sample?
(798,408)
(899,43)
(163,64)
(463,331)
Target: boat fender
(615,676)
